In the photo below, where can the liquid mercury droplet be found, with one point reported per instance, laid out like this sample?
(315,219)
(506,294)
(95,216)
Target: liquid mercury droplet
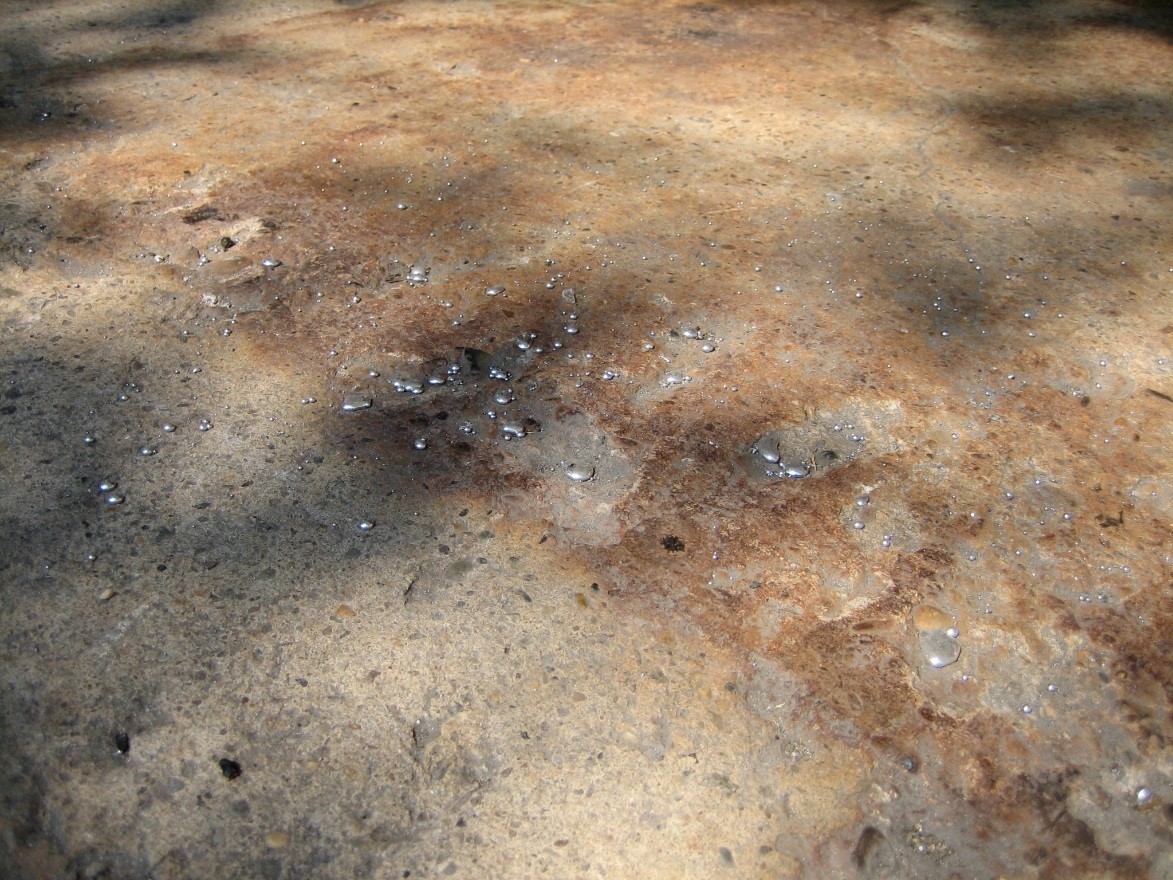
(580,473)
(939,648)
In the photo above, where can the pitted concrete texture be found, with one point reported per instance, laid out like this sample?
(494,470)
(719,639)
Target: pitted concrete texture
(659,439)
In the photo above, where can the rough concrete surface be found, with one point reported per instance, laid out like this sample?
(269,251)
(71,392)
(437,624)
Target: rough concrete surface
(581,439)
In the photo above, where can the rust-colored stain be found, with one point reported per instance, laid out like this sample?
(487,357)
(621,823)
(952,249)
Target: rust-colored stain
(807,331)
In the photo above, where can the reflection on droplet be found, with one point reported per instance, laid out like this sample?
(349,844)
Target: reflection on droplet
(204,425)
(107,486)
(355,402)
(768,451)
(408,386)
(580,473)
(495,290)
(114,498)
(420,443)
(147,450)
(366,525)
(938,648)
(168,428)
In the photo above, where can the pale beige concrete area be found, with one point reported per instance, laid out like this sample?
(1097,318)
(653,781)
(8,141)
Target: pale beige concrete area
(586,439)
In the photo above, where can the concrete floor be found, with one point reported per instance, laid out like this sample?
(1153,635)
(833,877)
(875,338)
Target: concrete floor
(766,470)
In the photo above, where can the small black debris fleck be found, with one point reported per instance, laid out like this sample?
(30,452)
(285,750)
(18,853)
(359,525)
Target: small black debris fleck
(202,213)
(122,742)
(229,768)
(1160,394)
(1107,521)
(672,543)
